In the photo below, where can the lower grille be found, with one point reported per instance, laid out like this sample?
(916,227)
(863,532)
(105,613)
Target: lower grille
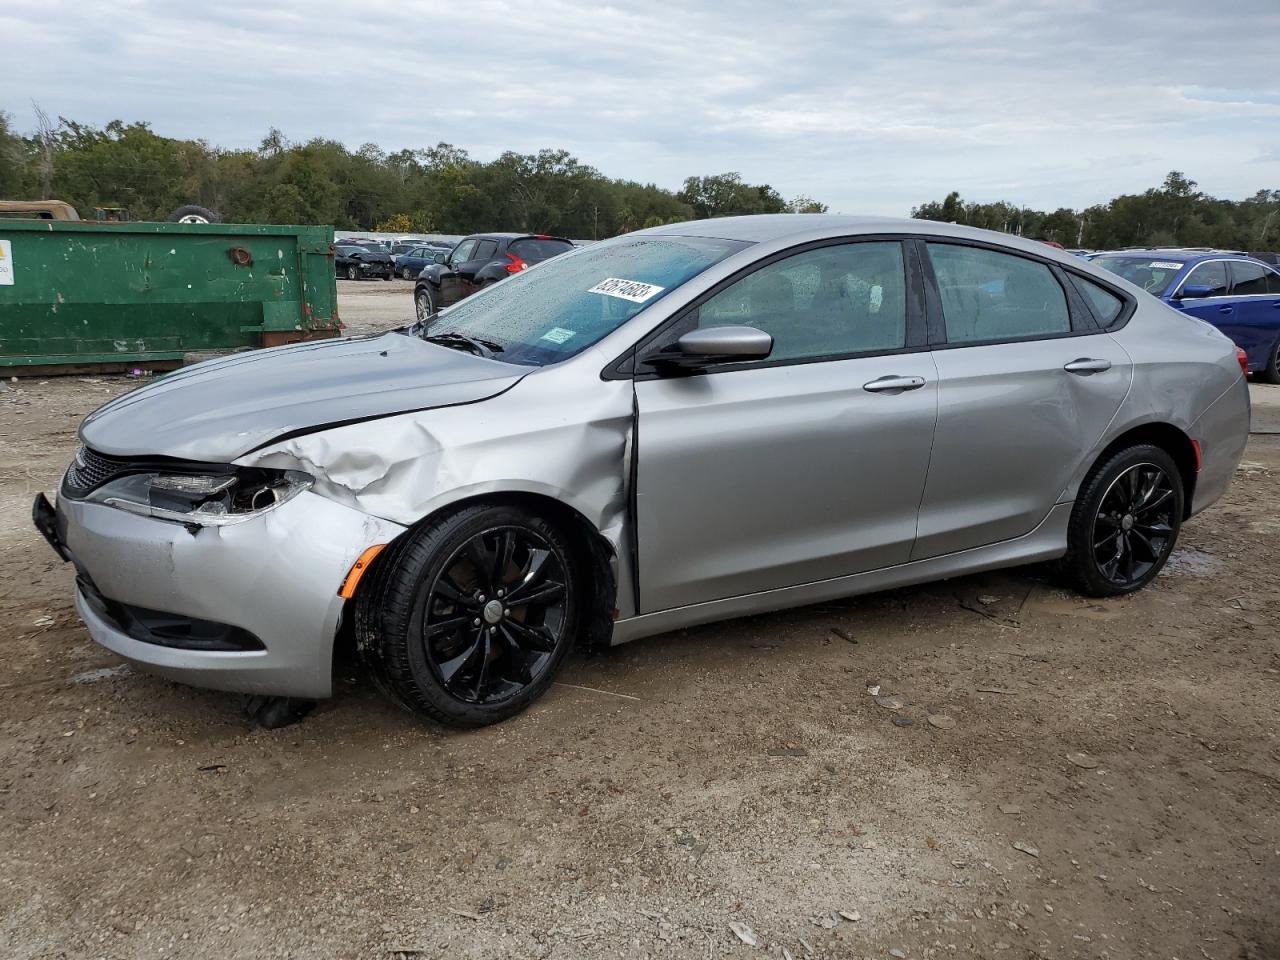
(168,629)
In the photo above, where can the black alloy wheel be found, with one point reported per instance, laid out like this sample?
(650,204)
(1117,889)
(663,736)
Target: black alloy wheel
(1125,522)
(1271,372)
(468,618)
(1133,530)
(496,614)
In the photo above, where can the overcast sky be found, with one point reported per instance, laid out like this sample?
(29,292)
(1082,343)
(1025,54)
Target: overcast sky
(869,107)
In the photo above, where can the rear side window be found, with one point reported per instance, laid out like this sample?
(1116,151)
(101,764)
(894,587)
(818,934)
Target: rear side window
(1105,303)
(1212,274)
(532,249)
(990,297)
(486,250)
(1252,279)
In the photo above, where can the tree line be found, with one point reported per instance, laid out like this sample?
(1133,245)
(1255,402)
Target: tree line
(442,189)
(437,189)
(1174,214)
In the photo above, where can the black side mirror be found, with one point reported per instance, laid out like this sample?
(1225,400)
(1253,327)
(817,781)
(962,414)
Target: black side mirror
(711,346)
(440,258)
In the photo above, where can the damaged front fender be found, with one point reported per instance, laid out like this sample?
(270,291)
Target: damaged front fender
(554,434)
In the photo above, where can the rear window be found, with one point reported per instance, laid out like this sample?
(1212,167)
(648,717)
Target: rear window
(532,250)
(1105,303)
(1152,274)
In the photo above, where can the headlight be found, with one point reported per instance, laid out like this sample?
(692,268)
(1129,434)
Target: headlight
(207,500)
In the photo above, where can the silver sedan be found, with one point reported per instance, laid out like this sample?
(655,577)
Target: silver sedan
(695,422)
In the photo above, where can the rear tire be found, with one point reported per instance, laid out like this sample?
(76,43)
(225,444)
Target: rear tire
(1125,522)
(1271,373)
(471,617)
(191,213)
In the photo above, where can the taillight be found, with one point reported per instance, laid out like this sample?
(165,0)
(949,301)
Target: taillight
(1241,357)
(516,264)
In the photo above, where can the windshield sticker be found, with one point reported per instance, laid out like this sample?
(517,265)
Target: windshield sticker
(1161,265)
(632,290)
(559,334)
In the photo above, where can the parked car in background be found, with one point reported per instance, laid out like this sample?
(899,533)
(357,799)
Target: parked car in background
(410,262)
(479,261)
(686,424)
(1238,294)
(355,262)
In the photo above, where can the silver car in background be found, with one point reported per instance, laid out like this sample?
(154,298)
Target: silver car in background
(694,422)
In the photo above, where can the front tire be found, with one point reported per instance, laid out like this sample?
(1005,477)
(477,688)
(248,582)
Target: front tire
(1125,522)
(353,273)
(406,274)
(423,303)
(472,617)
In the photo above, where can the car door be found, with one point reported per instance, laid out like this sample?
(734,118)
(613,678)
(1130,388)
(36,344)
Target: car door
(1215,307)
(1027,385)
(451,289)
(482,256)
(802,467)
(1255,296)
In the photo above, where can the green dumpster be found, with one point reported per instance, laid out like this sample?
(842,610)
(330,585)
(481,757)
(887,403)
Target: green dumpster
(87,294)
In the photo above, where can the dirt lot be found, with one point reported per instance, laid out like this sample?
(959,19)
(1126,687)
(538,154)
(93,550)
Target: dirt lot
(1068,778)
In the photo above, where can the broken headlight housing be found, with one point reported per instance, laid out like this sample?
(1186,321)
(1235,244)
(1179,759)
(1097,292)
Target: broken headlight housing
(204,499)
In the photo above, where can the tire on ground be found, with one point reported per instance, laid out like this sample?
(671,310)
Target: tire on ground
(392,608)
(1078,566)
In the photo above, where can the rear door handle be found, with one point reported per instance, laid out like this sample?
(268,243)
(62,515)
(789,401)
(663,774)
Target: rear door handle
(1087,365)
(892,384)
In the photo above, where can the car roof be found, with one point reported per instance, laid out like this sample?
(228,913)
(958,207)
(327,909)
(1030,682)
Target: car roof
(1180,255)
(512,236)
(799,227)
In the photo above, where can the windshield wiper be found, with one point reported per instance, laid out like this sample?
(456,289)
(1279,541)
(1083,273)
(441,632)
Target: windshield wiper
(481,348)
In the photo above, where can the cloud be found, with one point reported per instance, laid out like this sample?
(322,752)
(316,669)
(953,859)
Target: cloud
(870,107)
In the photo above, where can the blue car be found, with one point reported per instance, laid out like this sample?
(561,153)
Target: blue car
(1236,293)
(410,264)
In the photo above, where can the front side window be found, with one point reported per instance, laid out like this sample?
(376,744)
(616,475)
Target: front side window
(462,252)
(566,304)
(989,296)
(1252,279)
(1212,275)
(831,301)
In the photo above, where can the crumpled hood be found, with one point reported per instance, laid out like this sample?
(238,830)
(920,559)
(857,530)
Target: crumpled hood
(221,409)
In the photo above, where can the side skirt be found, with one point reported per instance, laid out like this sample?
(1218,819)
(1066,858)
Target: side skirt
(1048,541)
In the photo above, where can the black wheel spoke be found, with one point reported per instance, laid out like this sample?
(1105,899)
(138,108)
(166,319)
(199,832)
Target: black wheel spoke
(532,575)
(502,557)
(1152,553)
(481,559)
(1157,500)
(449,590)
(1108,539)
(441,627)
(451,669)
(1159,530)
(487,652)
(535,638)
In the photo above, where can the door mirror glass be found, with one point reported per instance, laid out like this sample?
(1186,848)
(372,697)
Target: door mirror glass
(1195,291)
(441,258)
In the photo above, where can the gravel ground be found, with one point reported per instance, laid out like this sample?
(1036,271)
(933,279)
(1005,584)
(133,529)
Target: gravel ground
(1065,777)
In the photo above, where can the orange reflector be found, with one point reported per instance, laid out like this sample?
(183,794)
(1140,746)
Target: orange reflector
(1195,445)
(352,580)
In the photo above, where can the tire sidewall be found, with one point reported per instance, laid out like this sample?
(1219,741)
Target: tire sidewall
(424,294)
(1080,557)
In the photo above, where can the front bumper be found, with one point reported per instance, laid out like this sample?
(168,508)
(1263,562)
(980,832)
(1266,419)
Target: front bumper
(276,577)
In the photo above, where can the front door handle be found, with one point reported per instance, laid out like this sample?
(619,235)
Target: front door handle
(892,384)
(1087,365)
(1224,309)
